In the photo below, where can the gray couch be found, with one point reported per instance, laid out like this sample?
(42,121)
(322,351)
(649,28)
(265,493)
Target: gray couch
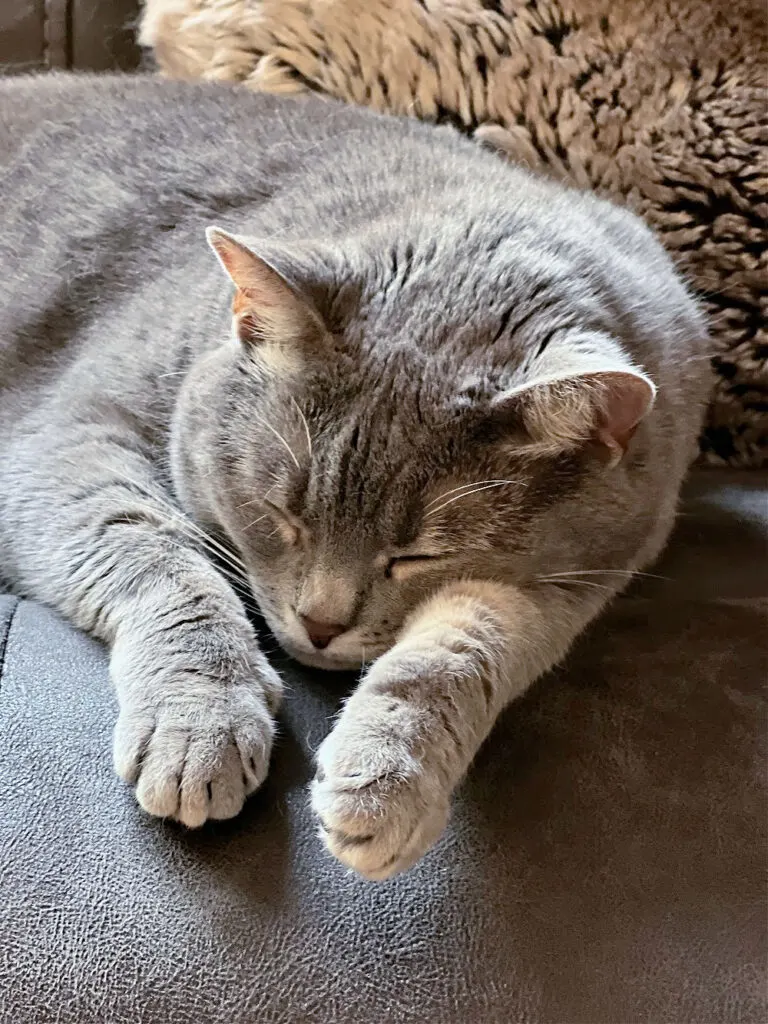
(606,857)
(605,861)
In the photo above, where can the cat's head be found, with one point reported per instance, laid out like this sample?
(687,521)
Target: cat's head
(357,458)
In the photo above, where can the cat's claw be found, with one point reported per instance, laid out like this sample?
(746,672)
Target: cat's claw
(379,808)
(196,757)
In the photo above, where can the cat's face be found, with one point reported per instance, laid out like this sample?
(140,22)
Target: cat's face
(354,479)
(349,508)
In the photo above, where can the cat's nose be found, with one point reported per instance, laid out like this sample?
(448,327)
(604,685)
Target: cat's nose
(321,633)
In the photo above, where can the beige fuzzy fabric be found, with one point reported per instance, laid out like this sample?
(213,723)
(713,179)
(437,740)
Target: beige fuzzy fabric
(659,103)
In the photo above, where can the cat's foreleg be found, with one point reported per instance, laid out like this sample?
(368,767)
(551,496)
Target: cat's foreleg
(407,735)
(108,548)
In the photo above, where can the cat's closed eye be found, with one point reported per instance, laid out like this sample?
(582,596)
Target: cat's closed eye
(291,529)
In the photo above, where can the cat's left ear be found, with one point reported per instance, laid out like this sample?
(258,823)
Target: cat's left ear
(601,408)
(266,309)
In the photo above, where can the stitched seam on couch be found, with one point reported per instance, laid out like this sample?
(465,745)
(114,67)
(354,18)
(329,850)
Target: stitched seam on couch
(57,27)
(4,638)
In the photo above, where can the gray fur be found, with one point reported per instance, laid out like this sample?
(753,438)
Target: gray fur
(459,318)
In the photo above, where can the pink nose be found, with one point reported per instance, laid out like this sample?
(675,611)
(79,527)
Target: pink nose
(321,633)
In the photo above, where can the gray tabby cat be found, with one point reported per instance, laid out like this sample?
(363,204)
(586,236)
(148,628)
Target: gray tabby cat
(444,419)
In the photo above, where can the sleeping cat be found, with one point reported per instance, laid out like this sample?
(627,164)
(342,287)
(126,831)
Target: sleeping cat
(431,410)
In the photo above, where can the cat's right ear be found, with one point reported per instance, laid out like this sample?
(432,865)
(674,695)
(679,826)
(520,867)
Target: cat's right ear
(601,408)
(266,309)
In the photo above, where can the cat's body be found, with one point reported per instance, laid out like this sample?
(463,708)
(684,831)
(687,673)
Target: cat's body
(447,404)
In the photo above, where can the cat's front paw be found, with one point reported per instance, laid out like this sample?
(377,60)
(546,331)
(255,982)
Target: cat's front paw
(197,753)
(380,804)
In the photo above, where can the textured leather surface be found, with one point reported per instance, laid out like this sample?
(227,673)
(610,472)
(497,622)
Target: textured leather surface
(38,35)
(605,861)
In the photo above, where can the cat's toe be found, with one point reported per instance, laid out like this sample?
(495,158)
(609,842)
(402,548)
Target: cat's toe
(206,771)
(131,737)
(228,787)
(157,785)
(253,734)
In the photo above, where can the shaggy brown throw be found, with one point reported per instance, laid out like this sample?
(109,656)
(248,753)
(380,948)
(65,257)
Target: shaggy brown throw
(658,103)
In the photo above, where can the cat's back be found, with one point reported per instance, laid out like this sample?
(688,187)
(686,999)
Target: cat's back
(106,185)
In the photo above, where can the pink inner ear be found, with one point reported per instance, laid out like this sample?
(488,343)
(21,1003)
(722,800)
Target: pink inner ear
(246,299)
(226,258)
(240,264)
(252,277)
(626,401)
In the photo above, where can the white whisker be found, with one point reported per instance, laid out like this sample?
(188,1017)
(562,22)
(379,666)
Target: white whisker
(257,520)
(573,582)
(616,572)
(217,551)
(463,487)
(281,439)
(306,426)
(179,519)
(255,501)
(489,485)
(235,580)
